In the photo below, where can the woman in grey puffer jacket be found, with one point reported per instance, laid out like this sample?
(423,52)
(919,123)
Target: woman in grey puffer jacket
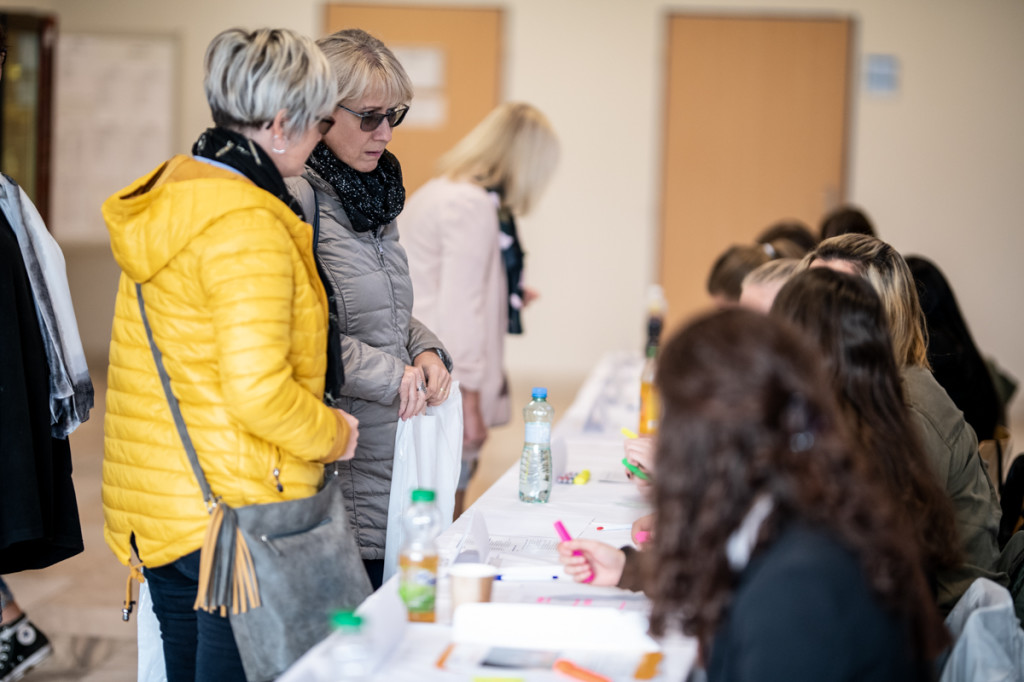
(393,365)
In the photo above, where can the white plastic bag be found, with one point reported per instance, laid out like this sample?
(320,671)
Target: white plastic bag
(151,647)
(428,454)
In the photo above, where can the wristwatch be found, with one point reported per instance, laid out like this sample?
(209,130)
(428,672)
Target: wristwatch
(445,358)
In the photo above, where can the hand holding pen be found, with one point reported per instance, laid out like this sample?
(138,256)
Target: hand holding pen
(639,459)
(590,561)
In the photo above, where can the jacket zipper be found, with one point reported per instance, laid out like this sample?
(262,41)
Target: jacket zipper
(268,540)
(380,246)
(276,472)
(391,285)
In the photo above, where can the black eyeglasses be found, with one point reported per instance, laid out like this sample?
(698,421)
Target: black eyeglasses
(324,125)
(370,121)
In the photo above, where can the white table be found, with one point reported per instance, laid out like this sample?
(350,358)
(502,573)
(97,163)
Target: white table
(587,437)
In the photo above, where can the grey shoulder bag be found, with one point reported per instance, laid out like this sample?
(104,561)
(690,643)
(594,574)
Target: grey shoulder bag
(278,570)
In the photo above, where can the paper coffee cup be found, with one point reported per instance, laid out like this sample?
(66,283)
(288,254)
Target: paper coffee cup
(471,583)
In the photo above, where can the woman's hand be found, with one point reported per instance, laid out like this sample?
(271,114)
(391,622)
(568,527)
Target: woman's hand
(353,435)
(474,429)
(640,453)
(438,380)
(643,530)
(412,393)
(596,563)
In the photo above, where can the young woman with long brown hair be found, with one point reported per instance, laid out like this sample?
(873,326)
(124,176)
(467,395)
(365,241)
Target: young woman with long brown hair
(844,315)
(775,547)
(949,442)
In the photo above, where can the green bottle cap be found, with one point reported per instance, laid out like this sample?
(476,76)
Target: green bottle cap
(346,619)
(422,495)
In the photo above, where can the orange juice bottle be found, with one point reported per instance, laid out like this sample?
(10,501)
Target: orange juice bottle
(417,562)
(650,409)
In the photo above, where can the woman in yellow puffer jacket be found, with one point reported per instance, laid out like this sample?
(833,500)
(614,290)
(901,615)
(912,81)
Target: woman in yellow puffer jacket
(236,307)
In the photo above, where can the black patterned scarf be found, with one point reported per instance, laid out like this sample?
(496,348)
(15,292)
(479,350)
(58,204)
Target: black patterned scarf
(370,200)
(513,257)
(248,158)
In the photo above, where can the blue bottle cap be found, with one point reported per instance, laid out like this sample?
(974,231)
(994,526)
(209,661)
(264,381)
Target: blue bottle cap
(540,392)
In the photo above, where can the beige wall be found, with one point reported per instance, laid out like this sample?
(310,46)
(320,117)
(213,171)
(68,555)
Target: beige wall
(939,166)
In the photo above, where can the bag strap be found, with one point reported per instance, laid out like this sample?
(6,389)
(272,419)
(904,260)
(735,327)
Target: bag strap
(179,421)
(316,220)
(227,575)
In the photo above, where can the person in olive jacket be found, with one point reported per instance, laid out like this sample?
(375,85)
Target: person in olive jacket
(235,304)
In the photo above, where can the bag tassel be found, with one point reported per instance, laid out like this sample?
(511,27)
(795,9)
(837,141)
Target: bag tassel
(227,577)
(134,573)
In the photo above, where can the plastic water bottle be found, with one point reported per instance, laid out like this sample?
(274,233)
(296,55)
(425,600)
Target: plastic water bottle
(349,653)
(535,465)
(417,561)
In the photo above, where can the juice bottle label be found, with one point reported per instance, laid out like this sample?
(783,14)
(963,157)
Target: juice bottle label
(418,587)
(649,409)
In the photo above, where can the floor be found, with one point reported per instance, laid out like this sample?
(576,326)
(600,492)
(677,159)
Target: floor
(77,603)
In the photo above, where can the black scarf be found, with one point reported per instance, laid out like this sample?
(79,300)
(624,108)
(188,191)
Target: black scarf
(513,257)
(248,158)
(370,200)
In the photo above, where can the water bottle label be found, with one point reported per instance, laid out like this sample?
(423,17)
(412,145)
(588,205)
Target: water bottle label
(538,432)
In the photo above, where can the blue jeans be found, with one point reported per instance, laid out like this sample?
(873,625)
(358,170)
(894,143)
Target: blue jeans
(198,646)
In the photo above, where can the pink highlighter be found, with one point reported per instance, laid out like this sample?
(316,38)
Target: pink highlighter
(564,534)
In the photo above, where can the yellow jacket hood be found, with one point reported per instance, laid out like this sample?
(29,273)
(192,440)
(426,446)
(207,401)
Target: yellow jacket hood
(148,225)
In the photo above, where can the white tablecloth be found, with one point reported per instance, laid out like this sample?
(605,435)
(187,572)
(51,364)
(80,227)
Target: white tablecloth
(587,437)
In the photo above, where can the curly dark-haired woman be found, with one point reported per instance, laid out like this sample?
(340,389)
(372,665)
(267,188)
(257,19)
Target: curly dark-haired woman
(774,546)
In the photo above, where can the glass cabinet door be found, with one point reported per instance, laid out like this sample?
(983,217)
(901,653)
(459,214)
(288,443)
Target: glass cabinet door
(26,96)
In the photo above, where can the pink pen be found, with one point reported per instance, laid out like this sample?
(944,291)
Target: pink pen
(564,534)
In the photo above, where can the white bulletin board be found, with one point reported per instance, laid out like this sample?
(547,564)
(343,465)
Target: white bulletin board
(113,122)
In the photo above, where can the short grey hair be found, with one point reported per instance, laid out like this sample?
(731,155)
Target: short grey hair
(250,76)
(365,66)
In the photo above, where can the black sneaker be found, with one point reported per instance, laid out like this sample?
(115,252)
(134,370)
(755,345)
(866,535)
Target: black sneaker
(22,647)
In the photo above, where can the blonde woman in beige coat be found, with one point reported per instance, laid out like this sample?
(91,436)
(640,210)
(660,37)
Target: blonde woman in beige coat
(466,262)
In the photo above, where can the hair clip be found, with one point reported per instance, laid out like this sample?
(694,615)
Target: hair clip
(801,441)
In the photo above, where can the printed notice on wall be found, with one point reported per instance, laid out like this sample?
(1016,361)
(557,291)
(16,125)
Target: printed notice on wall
(426,68)
(113,123)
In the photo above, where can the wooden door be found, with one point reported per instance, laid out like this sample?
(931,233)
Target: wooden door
(454,59)
(755,133)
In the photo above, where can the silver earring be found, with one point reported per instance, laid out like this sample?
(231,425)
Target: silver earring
(276,150)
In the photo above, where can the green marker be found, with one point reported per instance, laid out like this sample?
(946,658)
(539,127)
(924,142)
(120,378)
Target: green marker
(637,471)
